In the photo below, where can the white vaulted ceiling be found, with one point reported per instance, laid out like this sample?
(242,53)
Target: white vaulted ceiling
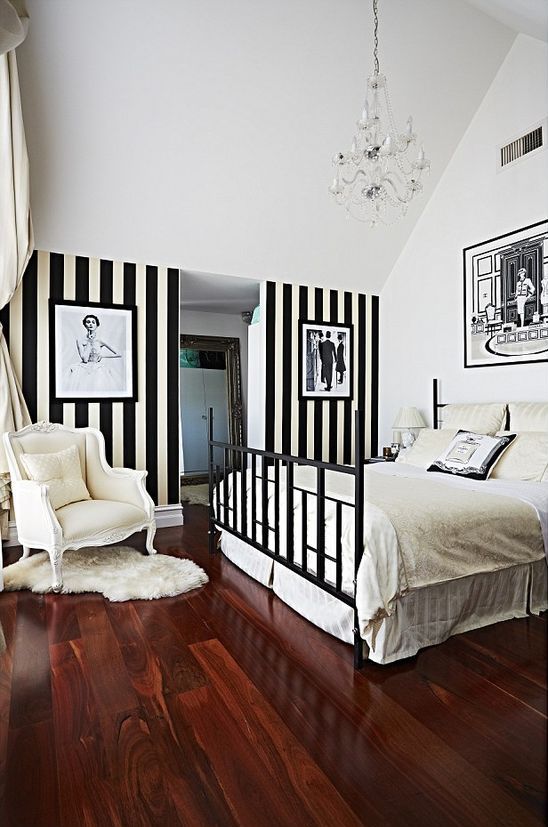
(200,134)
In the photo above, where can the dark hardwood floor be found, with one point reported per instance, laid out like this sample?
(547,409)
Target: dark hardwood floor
(224,707)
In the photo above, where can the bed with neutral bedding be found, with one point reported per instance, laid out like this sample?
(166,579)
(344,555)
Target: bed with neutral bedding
(440,553)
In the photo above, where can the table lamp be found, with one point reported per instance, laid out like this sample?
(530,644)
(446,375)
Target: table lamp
(407,419)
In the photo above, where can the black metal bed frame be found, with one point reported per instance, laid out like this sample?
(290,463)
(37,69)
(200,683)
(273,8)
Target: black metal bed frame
(224,511)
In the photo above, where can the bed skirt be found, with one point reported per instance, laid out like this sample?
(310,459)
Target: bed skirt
(423,617)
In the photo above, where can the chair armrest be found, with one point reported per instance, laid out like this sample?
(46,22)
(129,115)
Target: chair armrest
(37,525)
(123,485)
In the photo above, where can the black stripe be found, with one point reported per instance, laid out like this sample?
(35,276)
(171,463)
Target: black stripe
(270,364)
(173,486)
(347,423)
(374,375)
(81,410)
(362,354)
(105,408)
(333,418)
(318,403)
(287,352)
(151,381)
(56,291)
(30,336)
(5,322)
(303,404)
(130,293)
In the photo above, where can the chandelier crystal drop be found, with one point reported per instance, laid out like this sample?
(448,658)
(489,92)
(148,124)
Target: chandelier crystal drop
(378,178)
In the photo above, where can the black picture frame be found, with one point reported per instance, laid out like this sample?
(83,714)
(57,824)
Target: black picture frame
(311,370)
(101,378)
(504,324)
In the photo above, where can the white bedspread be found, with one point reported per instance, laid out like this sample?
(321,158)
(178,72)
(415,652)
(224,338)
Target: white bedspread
(387,570)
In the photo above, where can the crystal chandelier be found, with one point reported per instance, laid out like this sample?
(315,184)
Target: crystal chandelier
(376,180)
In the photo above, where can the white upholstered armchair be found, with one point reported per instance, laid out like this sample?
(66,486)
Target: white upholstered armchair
(55,509)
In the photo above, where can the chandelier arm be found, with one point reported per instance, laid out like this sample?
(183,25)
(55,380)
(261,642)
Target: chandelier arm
(350,181)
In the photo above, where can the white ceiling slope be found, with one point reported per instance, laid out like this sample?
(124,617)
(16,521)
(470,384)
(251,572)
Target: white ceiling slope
(215,293)
(525,16)
(200,135)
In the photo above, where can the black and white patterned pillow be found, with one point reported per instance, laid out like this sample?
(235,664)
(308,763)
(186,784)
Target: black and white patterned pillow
(471,455)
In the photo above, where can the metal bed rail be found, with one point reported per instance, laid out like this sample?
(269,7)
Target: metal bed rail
(236,512)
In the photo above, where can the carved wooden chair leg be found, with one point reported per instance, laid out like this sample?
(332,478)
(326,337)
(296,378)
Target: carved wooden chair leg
(56,559)
(151,531)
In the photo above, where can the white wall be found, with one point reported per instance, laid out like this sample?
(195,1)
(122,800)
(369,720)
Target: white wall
(421,303)
(199,323)
(199,133)
(256,380)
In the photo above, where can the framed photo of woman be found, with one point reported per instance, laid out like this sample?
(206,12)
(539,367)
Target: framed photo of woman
(93,351)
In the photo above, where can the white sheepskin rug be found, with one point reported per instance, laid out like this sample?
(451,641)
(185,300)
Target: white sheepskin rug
(117,572)
(195,494)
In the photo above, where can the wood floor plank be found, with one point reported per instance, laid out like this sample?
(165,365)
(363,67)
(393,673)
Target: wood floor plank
(225,707)
(307,789)
(182,772)
(511,754)
(360,769)
(30,683)
(436,779)
(31,779)
(8,609)
(86,795)
(61,617)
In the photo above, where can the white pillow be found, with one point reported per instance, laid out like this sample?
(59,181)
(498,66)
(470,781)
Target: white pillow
(61,471)
(481,419)
(426,448)
(528,416)
(471,455)
(525,459)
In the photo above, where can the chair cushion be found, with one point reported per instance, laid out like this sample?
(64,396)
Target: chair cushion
(91,518)
(61,471)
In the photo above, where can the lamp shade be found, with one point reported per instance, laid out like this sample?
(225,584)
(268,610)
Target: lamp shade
(409,418)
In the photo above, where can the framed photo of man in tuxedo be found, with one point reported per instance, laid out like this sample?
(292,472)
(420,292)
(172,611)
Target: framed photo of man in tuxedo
(325,360)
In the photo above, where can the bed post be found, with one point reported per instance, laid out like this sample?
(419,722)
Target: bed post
(435,421)
(359,462)
(211,529)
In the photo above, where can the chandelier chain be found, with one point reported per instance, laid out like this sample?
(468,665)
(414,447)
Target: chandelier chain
(375,50)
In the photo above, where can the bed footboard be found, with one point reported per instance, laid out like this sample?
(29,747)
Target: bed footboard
(254,495)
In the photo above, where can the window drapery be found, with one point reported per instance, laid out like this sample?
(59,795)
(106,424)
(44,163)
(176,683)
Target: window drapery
(16,237)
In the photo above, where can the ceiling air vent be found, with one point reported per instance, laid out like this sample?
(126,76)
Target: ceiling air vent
(522,146)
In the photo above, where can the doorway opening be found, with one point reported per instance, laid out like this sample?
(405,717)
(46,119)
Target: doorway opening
(210,374)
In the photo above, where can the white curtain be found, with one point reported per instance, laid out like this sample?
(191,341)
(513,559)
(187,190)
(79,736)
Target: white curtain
(16,238)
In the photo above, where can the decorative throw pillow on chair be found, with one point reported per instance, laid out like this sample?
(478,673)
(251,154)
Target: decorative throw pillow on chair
(62,472)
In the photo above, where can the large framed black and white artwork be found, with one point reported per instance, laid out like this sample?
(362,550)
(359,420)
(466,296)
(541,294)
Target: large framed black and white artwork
(93,353)
(325,360)
(506,299)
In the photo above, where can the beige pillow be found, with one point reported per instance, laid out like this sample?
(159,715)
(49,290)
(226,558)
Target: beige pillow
(525,459)
(528,416)
(61,471)
(481,419)
(426,448)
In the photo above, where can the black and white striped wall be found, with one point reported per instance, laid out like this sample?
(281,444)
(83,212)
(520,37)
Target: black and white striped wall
(142,434)
(318,429)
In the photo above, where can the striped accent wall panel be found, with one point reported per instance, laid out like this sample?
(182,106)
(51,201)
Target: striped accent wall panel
(319,429)
(142,434)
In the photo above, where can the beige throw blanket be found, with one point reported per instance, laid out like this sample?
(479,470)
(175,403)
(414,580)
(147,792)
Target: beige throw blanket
(419,529)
